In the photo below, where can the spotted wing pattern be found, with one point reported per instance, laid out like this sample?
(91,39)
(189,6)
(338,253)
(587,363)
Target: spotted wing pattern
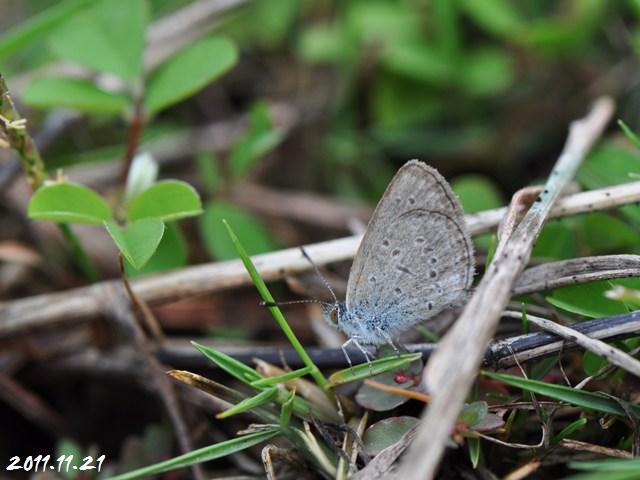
(416,257)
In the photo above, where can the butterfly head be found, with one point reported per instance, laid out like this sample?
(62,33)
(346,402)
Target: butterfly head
(334,313)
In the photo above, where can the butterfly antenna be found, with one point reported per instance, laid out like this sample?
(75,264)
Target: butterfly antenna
(291,302)
(315,267)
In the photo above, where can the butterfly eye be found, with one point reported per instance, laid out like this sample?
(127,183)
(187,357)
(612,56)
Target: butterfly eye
(333,315)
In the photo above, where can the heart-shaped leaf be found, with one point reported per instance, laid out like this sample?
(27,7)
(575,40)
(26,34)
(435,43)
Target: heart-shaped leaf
(137,241)
(167,200)
(70,203)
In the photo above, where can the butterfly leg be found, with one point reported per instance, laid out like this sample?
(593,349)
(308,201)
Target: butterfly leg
(367,355)
(387,337)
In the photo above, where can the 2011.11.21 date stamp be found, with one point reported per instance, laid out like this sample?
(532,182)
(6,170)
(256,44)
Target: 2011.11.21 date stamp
(64,463)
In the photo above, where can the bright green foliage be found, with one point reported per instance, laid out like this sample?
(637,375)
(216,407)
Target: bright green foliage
(189,71)
(579,398)
(604,233)
(588,300)
(138,240)
(255,236)
(375,367)
(170,254)
(556,241)
(204,454)
(108,37)
(248,404)
(260,139)
(82,95)
(68,202)
(39,25)
(168,200)
(477,193)
(230,365)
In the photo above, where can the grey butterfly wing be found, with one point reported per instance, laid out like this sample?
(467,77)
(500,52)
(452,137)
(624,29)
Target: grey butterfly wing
(416,257)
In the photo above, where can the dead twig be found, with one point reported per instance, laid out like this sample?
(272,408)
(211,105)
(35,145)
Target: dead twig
(612,354)
(476,325)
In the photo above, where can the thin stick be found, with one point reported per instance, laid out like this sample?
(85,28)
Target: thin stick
(612,354)
(81,303)
(453,368)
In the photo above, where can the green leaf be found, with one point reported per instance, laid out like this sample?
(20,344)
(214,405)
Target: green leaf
(189,71)
(477,193)
(473,413)
(230,365)
(48,92)
(605,233)
(208,172)
(420,62)
(386,432)
(285,377)
(205,454)
(170,254)
(611,164)
(67,446)
(609,465)
(496,16)
(109,37)
(38,25)
(556,241)
(592,363)
(217,242)
(474,448)
(138,241)
(325,44)
(168,200)
(256,143)
(487,71)
(579,398)
(271,20)
(369,369)
(588,299)
(378,400)
(262,398)
(69,203)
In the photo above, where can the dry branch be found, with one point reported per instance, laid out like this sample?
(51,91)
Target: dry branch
(49,309)
(453,368)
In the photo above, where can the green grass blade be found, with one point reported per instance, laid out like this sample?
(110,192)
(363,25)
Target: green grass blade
(569,429)
(250,403)
(579,398)
(205,454)
(275,311)
(287,411)
(365,370)
(230,365)
(285,377)
(473,446)
(629,133)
